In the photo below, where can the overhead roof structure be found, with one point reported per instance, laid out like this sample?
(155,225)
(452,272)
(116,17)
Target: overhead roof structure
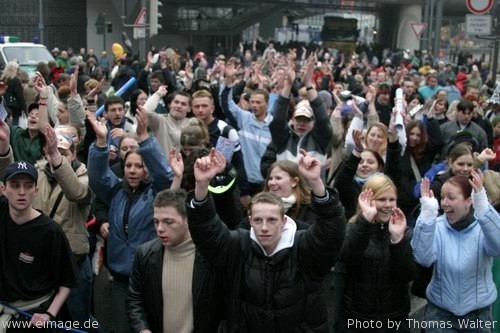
(221,17)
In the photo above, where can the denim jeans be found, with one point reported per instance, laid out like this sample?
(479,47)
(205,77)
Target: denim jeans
(79,299)
(477,321)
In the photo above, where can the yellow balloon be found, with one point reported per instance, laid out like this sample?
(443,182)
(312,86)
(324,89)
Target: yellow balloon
(117,50)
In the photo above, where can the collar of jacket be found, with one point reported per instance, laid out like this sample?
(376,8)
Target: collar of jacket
(286,240)
(142,186)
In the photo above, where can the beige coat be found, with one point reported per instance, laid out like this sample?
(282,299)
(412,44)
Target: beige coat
(73,210)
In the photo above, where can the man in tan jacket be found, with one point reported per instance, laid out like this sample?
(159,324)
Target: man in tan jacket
(64,195)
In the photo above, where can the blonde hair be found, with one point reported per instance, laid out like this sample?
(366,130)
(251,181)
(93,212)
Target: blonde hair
(195,133)
(10,70)
(203,93)
(379,184)
(385,133)
(90,84)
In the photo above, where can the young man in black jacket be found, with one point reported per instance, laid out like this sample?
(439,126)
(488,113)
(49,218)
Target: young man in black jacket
(172,288)
(273,272)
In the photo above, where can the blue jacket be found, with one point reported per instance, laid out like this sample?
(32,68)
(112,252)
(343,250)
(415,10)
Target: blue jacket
(139,205)
(462,280)
(254,134)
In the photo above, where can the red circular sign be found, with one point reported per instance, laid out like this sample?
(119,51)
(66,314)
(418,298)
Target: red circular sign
(479,6)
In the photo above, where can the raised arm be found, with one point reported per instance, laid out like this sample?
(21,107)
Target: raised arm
(6,153)
(312,94)
(41,88)
(321,243)
(177,165)
(209,233)
(157,164)
(358,233)
(488,217)
(322,130)
(101,179)
(422,242)
(75,188)
(230,109)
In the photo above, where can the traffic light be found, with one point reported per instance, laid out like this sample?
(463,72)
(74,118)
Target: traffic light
(154,15)
(109,27)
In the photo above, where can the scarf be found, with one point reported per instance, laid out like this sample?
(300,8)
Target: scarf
(289,202)
(464,222)
(361,181)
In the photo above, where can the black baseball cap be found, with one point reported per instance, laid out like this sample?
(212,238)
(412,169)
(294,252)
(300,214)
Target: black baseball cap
(20,168)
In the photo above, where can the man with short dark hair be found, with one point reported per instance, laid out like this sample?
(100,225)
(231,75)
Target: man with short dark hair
(253,126)
(27,143)
(167,128)
(463,122)
(172,288)
(272,273)
(223,135)
(36,266)
(383,103)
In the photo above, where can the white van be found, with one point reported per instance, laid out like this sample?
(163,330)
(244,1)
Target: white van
(28,55)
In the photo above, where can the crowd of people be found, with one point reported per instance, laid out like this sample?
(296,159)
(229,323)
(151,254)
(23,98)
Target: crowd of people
(230,193)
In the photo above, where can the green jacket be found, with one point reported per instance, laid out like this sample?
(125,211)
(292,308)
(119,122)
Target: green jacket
(24,147)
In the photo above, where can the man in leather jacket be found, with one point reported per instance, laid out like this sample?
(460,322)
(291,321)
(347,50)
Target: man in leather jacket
(172,288)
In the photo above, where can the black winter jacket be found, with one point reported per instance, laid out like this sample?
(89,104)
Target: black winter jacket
(349,190)
(277,293)
(406,201)
(378,272)
(145,302)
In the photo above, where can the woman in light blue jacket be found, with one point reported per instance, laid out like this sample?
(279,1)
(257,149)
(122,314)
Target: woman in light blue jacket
(461,244)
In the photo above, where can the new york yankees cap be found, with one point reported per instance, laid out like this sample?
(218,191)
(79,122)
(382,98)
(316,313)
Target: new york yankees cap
(20,168)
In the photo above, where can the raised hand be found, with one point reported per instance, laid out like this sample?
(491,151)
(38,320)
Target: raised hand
(73,81)
(142,123)
(429,206)
(367,205)
(100,129)
(425,188)
(290,74)
(205,168)
(397,225)
(162,91)
(97,89)
(176,162)
(51,137)
(310,65)
(4,137)
(287,81)
(189,70)
(309,167)
(431,111)
(371,94)
(150,58)
(40,85)
(487,155)
(357,137)
(477,180)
